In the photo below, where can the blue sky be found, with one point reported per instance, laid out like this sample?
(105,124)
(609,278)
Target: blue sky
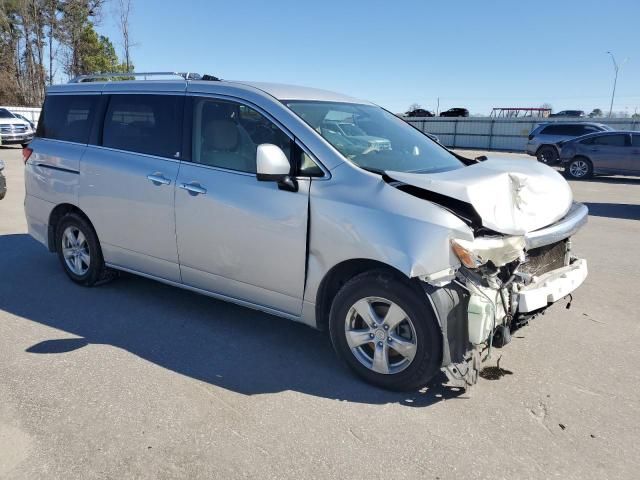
(478,54)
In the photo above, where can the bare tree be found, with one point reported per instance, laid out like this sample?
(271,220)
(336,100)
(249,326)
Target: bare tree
(124,11)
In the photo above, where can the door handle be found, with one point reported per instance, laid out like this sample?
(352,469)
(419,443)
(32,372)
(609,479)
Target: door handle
(158,179)
(193,188)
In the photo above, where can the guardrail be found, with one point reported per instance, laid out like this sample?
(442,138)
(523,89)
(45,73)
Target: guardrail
(485,133)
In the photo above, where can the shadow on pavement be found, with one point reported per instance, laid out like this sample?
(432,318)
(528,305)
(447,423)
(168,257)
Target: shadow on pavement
(614,210)
(213,341)
(615,180)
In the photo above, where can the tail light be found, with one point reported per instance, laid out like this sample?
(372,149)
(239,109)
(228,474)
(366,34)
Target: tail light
(26,153)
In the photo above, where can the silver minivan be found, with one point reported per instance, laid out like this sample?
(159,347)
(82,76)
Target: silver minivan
(412,257)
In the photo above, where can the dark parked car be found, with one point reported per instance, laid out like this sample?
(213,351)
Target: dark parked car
(608,153)
(543,139)
(419,112)
(455,112)
(568,113)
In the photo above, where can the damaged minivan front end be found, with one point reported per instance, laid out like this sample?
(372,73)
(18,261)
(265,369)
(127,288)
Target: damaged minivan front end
(515,263)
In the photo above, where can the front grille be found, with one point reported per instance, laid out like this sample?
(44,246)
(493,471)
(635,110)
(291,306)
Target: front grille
(544,259)
(13,128)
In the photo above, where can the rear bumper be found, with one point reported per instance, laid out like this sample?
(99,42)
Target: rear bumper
(552,286)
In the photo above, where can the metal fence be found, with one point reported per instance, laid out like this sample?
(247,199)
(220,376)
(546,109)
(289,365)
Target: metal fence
(31,113)
(484,133)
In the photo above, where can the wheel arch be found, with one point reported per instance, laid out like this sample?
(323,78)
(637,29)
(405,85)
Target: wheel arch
(337,276)
(544,145)
(58,214)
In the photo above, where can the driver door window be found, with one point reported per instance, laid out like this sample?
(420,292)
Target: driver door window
(227,135)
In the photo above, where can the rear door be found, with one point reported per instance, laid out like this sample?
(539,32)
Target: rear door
(632,163)
(239,237)
(608,152)
(128,179)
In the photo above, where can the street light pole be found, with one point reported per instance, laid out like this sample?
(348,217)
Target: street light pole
(615,80)
(616,67)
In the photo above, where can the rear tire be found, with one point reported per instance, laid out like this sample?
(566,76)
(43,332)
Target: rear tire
(382,326)
(547,155)
(579,168)
(79,250)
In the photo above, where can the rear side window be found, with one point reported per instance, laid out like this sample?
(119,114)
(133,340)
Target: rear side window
(68,117)
(555,130)
(569,130)
(611,140)
(150,124)
(635,140)
(585,129)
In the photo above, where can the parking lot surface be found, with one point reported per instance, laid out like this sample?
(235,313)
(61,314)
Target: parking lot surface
(135,379)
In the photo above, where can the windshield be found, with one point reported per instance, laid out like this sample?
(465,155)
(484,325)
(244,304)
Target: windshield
(4,113)
(382,142)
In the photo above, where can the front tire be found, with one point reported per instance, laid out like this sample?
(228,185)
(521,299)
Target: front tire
(382,326)
(79,250)
(547,155)
(579,168)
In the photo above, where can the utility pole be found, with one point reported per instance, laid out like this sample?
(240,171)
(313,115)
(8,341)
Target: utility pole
(616,67)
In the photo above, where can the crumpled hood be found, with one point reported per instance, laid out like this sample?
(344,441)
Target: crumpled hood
(511,196)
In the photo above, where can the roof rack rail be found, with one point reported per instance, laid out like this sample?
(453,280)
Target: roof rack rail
(120,75)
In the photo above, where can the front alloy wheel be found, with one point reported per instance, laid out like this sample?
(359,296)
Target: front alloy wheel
(383,327)
(381,335)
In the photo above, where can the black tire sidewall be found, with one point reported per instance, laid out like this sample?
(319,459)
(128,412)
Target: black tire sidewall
(428,358)
(96,263)
(551,158)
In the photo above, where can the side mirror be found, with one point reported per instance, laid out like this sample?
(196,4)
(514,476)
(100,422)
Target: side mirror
(272,165)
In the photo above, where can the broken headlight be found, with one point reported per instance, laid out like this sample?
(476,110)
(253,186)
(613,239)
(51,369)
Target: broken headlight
(497,250)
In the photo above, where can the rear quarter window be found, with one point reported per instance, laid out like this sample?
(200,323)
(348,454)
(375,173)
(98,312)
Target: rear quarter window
(68,117)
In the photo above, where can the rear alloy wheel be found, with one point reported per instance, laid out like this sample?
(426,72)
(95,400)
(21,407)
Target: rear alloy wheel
(548,155)
(79,250)
(382,326)
(579,168)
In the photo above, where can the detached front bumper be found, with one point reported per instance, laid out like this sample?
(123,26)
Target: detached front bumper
(551,287)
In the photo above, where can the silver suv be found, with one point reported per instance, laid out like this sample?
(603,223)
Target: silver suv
(413,258)
(544,138)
